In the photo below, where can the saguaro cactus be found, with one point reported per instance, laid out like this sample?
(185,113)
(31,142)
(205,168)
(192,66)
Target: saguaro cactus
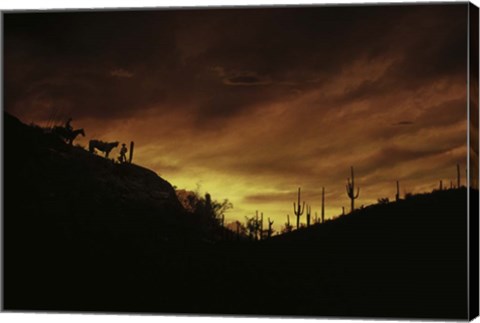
(261,226)
(130,158)
(458,176)
(343,210)
(256,224)
(251,227)
(309,214)
(440,187)
(323,204)
(288,227)
(270,230)
(351,190)
(397,196)
(297,210)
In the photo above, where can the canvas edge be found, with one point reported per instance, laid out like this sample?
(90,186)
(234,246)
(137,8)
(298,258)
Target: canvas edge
(2,235)
(227,6)
(473,195)
(472,165)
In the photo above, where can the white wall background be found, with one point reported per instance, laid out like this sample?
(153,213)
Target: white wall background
(47,4)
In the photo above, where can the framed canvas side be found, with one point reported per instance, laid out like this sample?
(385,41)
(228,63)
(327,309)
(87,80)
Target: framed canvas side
(473,91)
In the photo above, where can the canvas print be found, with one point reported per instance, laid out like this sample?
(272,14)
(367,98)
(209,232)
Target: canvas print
(311,161)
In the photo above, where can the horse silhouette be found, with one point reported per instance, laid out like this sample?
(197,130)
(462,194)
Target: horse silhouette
(105,147)
(68,135)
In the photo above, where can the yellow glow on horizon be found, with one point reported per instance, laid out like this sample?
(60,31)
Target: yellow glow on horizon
(258,159)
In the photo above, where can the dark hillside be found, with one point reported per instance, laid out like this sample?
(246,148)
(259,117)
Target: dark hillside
(84,234)
(400,259)
(74,188)
(73,219)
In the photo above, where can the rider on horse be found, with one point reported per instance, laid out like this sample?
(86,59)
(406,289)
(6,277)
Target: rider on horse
(67,133)
(68,126)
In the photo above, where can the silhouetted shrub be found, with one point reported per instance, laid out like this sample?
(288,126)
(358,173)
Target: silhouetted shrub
(383,200)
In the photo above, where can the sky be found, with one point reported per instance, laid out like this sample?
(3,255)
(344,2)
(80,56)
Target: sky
(251,104)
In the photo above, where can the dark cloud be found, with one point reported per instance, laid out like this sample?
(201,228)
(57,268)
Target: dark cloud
(121,73)
(393,155)
(246,80)
(255,100)
(403,123)
(268,198)
(170,50)
(442,114)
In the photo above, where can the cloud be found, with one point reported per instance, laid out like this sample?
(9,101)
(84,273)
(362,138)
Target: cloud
(267,198)
(121,73)
(254,103)
(274,44)
(246,79)
(403,123)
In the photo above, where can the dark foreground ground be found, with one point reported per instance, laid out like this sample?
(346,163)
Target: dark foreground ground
(83,234)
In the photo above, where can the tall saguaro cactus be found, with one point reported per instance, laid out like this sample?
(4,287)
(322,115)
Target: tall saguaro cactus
(323,204)
(288,227)
(309,214)
(298,210)
(397,196)
(256,225)
(261,226)
(458,176)
(351,190)
(130,158)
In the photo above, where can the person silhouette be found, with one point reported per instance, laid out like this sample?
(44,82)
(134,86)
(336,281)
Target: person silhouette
(68,126)
(123,154)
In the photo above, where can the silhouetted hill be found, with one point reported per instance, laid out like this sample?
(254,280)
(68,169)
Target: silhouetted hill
(72,218)
(401,259)
(84,234)
(46,176)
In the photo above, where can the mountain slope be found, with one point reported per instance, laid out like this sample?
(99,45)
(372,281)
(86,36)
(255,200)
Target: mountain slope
(84,234)
(45,176)
(401,259)
(73,219)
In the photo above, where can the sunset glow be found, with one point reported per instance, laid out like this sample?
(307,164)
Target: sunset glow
(249,105)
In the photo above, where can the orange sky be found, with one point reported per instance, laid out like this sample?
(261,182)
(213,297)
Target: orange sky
(249,105)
